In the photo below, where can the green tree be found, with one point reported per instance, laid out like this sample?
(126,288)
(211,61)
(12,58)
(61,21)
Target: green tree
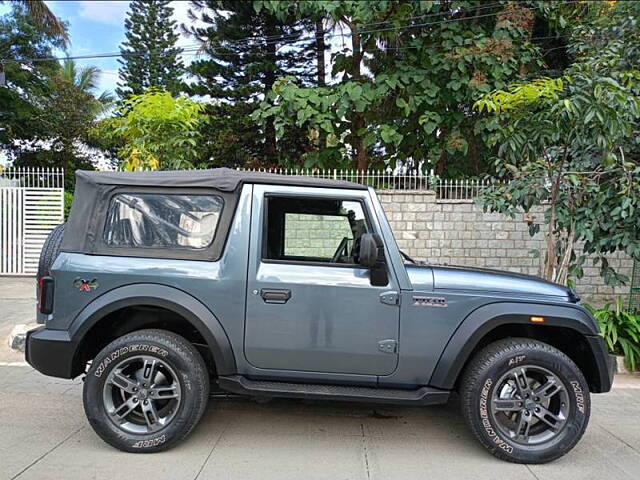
(570,147)
(339,111)
(409,78)
(47,108)
(156,131)
(23,101)
(72,109)
(244,58)
(150,57)
(44,19)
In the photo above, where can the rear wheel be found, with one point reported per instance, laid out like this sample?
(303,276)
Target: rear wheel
(525,401)
(146,391)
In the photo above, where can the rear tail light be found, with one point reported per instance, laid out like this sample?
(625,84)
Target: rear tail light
(46,295)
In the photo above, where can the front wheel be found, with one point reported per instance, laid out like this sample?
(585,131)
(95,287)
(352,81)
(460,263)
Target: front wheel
(146,391)
(525,401)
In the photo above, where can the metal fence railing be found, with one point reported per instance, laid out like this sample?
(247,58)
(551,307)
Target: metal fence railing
(446,190)
(31,205)
(32,177)
(395,180)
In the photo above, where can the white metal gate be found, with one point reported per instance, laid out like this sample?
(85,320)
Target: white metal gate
(31,205)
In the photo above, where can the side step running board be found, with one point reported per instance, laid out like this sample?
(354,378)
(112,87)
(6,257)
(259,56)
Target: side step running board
(244,386)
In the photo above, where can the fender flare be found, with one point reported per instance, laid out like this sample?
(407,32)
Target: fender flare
(484,319)
(189,307)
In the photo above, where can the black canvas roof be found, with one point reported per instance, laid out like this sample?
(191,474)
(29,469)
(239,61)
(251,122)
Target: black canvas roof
(93,192)
(224,179)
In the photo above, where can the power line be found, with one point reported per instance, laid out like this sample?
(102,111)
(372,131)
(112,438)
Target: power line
(391,29)
(278,38)
(270,40)
(200,49)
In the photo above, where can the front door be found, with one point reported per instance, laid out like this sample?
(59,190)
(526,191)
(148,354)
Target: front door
(309,306)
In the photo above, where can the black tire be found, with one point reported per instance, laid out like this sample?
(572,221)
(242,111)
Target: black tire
(181,359)
(490,383)
(50,250)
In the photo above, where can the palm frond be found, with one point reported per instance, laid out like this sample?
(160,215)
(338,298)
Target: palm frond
(43,16)
(87,79)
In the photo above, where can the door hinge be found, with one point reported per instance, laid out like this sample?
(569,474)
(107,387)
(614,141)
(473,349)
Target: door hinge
(388,346)
(390,298)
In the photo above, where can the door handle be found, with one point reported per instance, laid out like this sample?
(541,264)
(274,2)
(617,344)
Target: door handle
(275,295)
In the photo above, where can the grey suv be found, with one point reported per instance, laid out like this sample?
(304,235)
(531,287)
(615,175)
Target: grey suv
(163,286)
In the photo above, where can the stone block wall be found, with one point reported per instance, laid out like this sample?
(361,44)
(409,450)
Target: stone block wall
(460,233)
(314,235)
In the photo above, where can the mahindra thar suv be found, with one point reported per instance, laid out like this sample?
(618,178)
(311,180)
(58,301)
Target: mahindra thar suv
(165,286)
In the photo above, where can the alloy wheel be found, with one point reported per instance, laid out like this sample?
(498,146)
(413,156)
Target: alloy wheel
(142,394)
(530,405)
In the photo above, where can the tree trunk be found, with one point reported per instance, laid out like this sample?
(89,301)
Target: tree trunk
(320,49)
(269,80)
(357,118)
(473,154)
(551,260)
(441,164)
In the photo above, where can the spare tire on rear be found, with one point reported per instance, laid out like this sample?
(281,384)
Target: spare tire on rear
(50,250)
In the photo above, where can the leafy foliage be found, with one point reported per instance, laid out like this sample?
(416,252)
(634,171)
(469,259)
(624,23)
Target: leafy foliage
(47,109)
(68,201)
(414,103)
(157,130)
(571,148)
(43,18)
(519,95)
(23,100)
(621,331)
(150,56)
(71,114)
(244,59)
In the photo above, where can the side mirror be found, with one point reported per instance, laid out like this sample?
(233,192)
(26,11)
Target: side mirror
(368,255)
(371,256)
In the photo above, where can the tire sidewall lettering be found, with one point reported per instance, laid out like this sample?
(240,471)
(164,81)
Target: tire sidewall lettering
(484,417)
(516,360)
(579,395)
(189,369)
(122,351)
(150,443)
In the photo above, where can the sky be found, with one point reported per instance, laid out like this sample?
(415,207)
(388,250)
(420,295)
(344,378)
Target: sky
(98,27)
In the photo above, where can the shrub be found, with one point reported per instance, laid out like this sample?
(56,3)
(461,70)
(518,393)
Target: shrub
(68,199)
(621,331)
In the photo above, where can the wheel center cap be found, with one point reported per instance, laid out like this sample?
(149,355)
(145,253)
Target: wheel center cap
(142,394)
(529,404)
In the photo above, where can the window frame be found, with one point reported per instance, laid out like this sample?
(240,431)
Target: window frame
(212,252)
(264,233)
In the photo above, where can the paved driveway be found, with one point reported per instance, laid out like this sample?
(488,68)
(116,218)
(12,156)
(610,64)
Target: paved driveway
(44,435)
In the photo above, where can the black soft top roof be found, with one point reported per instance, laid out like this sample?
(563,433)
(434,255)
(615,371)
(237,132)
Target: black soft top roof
(93,192)
(224,179)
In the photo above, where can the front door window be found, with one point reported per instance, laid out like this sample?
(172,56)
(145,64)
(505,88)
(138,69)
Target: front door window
(314,230)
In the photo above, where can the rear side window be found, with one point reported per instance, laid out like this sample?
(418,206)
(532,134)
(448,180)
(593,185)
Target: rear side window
(154,220)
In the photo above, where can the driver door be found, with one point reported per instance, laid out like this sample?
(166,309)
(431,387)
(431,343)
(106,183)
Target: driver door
(309,306)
